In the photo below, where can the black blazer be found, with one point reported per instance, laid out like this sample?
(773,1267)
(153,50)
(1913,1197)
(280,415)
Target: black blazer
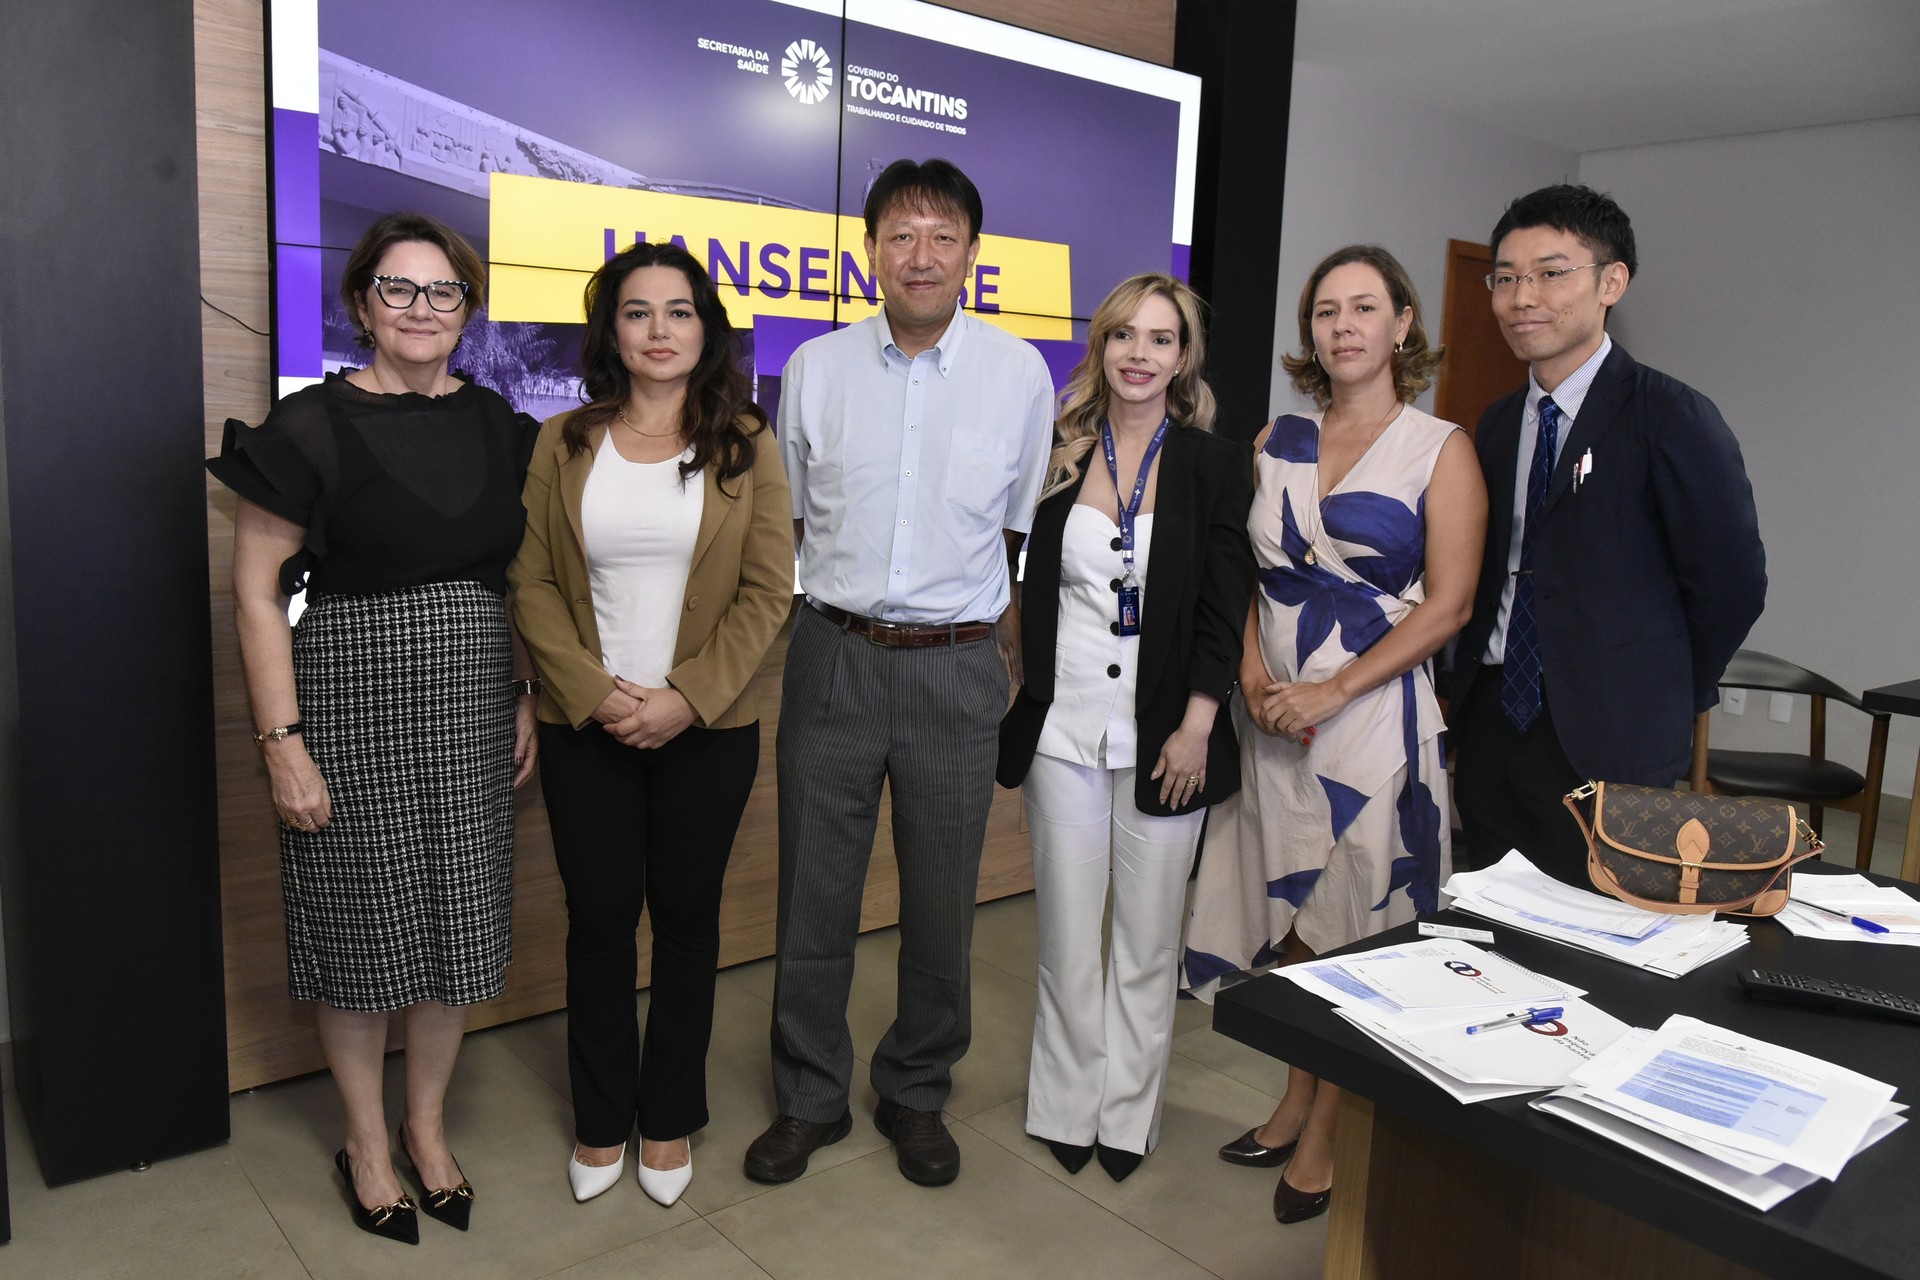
(1201,570)
(1646,579)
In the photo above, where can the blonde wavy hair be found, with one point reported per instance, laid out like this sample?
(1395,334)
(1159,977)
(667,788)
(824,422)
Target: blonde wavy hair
(1084,402)
(1415,360)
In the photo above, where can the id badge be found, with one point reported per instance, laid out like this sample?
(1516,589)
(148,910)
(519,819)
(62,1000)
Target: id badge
(1130,610)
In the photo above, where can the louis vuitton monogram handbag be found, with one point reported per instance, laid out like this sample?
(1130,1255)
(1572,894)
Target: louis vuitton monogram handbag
(1690,854)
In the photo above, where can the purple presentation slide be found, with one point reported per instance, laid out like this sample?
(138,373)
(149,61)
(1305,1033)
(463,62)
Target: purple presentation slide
(762,102)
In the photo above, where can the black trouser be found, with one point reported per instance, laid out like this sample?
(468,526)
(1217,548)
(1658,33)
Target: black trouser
(634,828)
(1509,786)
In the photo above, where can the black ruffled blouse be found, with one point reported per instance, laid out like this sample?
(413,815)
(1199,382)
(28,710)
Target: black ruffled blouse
(394,491)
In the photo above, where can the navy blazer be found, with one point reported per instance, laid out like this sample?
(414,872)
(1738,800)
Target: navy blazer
(1647,577)
(1201,572)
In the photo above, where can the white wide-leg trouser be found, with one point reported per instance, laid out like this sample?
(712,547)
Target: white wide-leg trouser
(1100,1052)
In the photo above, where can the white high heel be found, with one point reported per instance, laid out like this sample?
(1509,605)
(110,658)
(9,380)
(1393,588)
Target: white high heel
(589,1180)
(664,1186)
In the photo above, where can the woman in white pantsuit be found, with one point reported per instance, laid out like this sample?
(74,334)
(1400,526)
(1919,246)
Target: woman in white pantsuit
(1137,581)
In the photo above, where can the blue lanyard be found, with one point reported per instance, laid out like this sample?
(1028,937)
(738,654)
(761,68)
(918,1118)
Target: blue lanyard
(1130,511)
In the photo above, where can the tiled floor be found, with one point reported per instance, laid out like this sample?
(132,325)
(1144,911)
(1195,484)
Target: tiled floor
(269,1205)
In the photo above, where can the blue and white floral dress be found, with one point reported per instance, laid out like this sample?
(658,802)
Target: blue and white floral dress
(1348,836)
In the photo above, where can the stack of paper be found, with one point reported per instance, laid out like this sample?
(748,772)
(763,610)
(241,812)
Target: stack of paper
(1749,1118)
(1515,892)
(1854,898)
(1418,1001)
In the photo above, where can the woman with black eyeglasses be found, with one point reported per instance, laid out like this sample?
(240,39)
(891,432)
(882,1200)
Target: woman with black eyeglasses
(397,717)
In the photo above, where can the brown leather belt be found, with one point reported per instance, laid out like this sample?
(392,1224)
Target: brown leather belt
(904,635)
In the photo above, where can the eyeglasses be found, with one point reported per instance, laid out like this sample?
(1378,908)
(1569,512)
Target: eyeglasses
(1545,277)
(399,292)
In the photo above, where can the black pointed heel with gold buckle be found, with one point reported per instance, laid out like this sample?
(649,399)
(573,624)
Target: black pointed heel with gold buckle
(451,1205)
(396,1221)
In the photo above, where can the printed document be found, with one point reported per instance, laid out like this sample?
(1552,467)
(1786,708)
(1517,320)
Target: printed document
(1456,982)
(1709,1083)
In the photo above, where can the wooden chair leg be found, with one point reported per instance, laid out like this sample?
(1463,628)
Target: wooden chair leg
(1697,776)
(1870,798)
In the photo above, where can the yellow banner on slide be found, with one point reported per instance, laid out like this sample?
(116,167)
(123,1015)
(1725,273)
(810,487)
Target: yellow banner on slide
(545,236)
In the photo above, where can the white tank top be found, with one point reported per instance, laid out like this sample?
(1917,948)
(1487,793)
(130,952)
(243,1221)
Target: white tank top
(640,522)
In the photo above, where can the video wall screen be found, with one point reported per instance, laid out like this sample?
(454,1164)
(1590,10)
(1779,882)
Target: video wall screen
(554,135)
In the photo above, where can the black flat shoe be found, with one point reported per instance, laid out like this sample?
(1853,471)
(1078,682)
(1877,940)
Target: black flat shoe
(396,1221)
(1248,1150)
(1073,1159)
(1116,1162)
(1290,1204)
(451,1205)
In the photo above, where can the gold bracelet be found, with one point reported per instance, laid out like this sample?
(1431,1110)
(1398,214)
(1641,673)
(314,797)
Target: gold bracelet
(276,733)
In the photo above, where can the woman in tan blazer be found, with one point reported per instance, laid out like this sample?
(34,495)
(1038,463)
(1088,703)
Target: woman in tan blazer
(656,570)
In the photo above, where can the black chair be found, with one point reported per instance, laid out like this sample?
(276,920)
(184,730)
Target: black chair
(1810,779)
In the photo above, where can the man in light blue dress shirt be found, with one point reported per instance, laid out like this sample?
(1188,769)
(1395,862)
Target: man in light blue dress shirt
(916,443)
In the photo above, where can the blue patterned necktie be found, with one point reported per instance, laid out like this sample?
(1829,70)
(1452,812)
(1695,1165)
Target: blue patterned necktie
(1520,673)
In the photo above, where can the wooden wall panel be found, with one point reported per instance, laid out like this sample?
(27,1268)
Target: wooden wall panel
(1138,28)
(269,1036)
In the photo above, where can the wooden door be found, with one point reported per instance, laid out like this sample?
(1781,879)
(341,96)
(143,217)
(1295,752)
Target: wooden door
(1480,367)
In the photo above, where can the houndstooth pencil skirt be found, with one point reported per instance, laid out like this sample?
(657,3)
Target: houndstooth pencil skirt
(405,895)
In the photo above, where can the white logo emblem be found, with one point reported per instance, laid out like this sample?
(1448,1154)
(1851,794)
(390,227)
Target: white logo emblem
(808,71)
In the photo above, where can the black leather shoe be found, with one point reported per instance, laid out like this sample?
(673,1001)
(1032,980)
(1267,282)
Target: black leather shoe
(1073,1159)
(1290,1204)
(397,1221)
(780,1154)
(926,1152)
(451,1205)
(1247,1149)
(1118,1163)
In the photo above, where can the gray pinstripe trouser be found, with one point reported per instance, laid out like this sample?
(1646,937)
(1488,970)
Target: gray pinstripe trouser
(925,721)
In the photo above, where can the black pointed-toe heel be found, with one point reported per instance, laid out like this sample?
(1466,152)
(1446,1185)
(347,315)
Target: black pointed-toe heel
(397,1221)
(1073,1159)
(1247,1149)
(1290,1204)
(1118,1164)
(451,1205)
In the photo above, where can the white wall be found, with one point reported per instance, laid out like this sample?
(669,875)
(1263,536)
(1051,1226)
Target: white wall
(1365,166)
(1778,276)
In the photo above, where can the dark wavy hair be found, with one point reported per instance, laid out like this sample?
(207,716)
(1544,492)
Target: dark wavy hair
(719,395)
(1413,361)
(400,228)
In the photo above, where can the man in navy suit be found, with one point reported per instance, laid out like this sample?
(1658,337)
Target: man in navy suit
(1623,564)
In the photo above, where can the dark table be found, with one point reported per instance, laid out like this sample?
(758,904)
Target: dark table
(1433,1188)
(1902,700)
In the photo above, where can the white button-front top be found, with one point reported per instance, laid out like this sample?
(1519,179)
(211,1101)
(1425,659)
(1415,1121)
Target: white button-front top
(1091,721)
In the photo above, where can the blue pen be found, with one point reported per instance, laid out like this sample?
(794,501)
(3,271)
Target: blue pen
(1858,922)
(1530,1017)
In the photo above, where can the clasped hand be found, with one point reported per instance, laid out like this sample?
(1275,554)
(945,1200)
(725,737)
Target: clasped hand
(641,717)
(1294,709)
